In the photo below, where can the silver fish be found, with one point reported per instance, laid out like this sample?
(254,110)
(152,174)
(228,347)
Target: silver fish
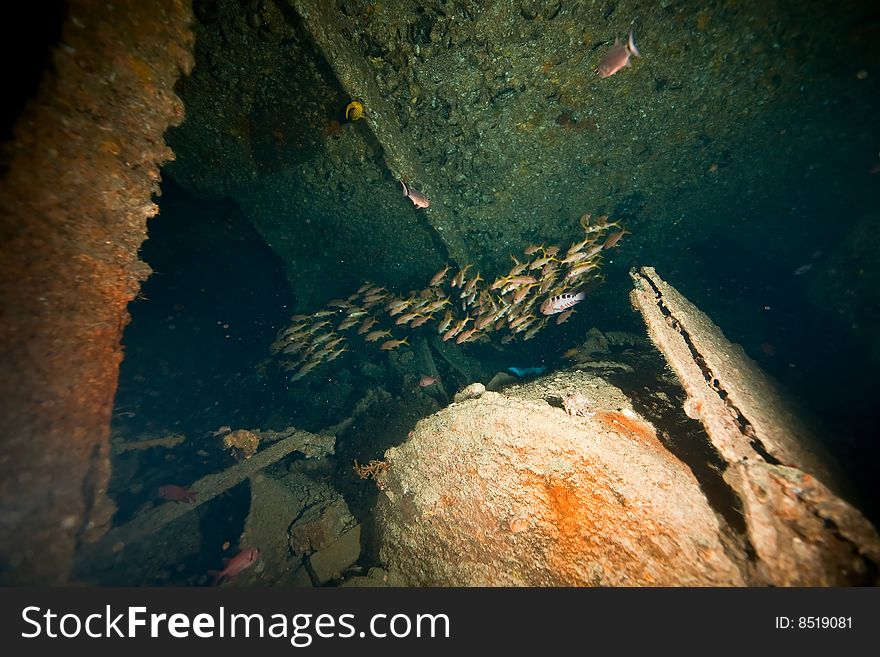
(561,302)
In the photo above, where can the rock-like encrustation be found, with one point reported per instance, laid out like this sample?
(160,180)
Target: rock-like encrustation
(510,490)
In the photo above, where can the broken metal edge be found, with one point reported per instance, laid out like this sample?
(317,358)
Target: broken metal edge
(755,419)
(801,531)
(703,403)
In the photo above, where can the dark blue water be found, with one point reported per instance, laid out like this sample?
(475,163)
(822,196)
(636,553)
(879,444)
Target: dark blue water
(743,153)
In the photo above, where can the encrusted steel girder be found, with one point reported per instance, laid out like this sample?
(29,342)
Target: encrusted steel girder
(75,196)
(802,533)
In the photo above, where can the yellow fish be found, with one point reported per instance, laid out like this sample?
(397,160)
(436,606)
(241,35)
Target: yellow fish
(354,110)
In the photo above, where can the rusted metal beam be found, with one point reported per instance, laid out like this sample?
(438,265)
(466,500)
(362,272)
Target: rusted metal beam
(801,531)
(207,488)
(75,197)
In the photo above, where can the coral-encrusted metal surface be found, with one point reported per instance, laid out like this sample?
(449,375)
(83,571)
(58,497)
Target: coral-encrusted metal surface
(74,204)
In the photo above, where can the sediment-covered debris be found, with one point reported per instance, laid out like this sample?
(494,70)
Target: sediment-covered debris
(242,443)
(76,191)
(560,481)
(472,391)
(305,531)
(353,72)
(598,343)
(168,440)
(153,521)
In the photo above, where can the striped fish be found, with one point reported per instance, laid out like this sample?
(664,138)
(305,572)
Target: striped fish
(561,302)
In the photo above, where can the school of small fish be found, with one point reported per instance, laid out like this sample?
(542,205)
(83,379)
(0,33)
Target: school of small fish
(544,286)
(464,308)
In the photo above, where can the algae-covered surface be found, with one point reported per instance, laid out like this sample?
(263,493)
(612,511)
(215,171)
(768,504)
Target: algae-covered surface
(350,272)
(730,108)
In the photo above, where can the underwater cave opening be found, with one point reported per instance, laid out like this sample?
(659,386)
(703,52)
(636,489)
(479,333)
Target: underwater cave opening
(194,347)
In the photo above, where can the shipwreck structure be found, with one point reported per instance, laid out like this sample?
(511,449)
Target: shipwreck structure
(497,116)
(75,198)
(561,482)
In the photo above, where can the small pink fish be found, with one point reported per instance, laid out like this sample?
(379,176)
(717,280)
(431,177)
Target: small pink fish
(561,302)
(232,567)
(419,200)
(172,493)
(426,381)
(617,58)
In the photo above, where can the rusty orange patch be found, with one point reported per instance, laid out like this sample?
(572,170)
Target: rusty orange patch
(109,146)
(565,506)
(632,426)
